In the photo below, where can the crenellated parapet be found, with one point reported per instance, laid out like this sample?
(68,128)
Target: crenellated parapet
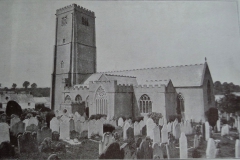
(77,7)
(76,87)
(150,86)
(124,88)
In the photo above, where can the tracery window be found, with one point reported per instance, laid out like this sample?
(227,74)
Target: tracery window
(145,104)
(101,101)
(209,92)
(78,99)
(67,99)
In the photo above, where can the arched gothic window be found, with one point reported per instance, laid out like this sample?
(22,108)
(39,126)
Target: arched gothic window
(209,93)
(180,103)
(67,99)
(101,101)
(78,99)
(87,102)
(145,104)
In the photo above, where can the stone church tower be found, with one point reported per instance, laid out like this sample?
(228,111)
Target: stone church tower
(74,50)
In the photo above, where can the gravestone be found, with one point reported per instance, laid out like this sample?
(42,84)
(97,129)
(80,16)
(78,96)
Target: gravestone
(91,125)
(141,125)
(72,124)
(172,152)
(130,133)
(18,127)
(145,150)
(27,142)
(145,118)
(13,121)
(99,127)
(54,124)
(112,152)
(161,122)
(33,120)
(169,127)
(177,131)
(65,129)
(45,146)
(183,146)
(55,136)
(136,129)
(120,122)
(218,125)
(156,135)
(211,150)
(126,148)
(3,118)
(125,127)
(237,149)
(7,151)
(182,127)
(164,134)
(107,140)
(26,122)
(4,132)
(144,130)
(43,133)
(150,126)
(225,130)
(207,131)
(157,151)
(195,141)
(32,128)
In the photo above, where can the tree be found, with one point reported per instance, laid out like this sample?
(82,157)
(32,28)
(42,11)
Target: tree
(230,103)
(225,88)
(34,86)
(5,88)
(14,85)
(26,84)
(217,87)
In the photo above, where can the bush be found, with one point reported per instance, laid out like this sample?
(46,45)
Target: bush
(97,116)
(155,116)
(173,117)
(212,116)
(108,128)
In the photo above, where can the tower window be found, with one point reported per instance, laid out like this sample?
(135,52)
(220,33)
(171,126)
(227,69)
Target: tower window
(63,40)
(64,21)
(85,21)
(62,64)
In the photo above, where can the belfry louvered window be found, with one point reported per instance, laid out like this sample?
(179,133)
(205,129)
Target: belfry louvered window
(101,101)
(145,104)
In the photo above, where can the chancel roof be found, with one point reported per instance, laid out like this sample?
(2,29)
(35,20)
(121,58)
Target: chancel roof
(181,76)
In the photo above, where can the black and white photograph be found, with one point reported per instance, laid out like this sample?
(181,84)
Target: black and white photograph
(113,79)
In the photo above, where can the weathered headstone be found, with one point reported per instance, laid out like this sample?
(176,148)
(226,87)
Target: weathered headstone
(126,148)
(183,146)
(120,122)
(125,127)
(169,127)
(130,133)
(4,132)
(13,121)
(161,122)
(43,133)
(26,122)
(237,149)
(150,126)
(141,125)
(32,128)
(112,152)
(225,130)
(196,141)
(218,125)
(18,127)
(27,142)
(107,139)
(65,129)
(177,131)
(164,134)
(157,152)
(33,120)
(54,124)
(91,125)
(156,135)
(207,131)
(145,150)
(211,150)
(136,129)
(72,124)
(172,152)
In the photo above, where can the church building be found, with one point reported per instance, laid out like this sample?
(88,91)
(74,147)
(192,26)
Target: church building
(185,90)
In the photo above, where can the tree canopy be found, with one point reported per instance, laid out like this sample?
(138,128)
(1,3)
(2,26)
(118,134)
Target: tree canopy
(34,86)
(14,85)
(26,84)
(225,88)
(230,103)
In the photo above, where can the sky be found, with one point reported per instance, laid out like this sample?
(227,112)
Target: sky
(129,35)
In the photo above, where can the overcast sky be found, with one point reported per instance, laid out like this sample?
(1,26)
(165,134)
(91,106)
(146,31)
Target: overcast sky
(129,35)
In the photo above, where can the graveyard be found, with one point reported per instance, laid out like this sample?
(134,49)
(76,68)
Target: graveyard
(75,136)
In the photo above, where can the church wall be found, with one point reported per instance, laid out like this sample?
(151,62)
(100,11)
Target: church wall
(123,105)
(157,96)
(193,103)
